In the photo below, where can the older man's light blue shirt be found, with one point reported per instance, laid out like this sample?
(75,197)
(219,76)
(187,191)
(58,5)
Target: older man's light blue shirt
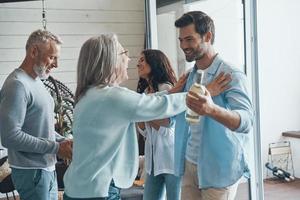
(222,152)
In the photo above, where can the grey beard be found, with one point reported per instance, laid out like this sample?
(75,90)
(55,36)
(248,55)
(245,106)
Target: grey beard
(40,72)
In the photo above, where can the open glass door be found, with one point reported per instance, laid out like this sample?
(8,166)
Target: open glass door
(235,22)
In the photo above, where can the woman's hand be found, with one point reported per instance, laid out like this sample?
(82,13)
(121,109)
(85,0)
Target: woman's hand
(178,87)
(141,125)
(219,85)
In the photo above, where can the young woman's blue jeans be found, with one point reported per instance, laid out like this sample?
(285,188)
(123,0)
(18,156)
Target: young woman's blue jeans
(35,184)
(113,194)
(155,187)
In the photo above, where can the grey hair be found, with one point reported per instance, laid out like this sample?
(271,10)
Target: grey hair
(97,63)
(40,37)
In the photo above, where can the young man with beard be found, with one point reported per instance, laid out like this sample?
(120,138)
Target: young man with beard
(210,155)
(27,121)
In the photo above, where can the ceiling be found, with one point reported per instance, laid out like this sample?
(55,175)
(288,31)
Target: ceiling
(10,1)
(160,3)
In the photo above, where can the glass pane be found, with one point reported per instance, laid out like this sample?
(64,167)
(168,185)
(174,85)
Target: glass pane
(228,17)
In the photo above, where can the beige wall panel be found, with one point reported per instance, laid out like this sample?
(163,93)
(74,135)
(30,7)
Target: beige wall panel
(61,16)
(75,22)
(120,5)
(73,28)
(70,40)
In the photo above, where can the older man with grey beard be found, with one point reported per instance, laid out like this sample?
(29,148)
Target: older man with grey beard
(27,121)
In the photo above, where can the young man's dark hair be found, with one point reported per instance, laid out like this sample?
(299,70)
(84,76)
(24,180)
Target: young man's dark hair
(203,23)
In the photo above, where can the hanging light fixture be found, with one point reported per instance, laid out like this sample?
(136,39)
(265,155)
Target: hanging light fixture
(44,20)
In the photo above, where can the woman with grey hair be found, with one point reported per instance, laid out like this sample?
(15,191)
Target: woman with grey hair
(105,146)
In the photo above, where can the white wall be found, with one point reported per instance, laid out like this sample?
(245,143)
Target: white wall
(166,37)
(167,33)
(279,70)
(74,21)
(228,19)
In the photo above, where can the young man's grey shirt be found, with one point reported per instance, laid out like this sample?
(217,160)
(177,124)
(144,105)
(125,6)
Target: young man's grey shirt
(27,122)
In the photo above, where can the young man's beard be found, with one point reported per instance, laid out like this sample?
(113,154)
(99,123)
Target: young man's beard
(199,57)
(197,54)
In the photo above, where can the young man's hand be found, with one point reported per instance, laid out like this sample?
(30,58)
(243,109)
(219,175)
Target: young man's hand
(65,149)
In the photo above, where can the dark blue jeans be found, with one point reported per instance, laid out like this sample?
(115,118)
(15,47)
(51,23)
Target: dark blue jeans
(113,194)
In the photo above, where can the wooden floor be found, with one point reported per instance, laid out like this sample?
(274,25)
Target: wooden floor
(274,190)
